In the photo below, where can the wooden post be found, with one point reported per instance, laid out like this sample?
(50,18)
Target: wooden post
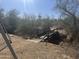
(7,42)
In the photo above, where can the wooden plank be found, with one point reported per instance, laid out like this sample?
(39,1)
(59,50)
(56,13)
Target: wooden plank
(7,42)
(6,33)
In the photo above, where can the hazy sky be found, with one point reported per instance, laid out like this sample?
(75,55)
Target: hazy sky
(43,7)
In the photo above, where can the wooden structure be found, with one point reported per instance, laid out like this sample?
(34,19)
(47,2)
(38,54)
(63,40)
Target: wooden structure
(7,40)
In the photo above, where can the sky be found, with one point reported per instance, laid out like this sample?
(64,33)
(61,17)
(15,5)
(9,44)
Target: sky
(34,7)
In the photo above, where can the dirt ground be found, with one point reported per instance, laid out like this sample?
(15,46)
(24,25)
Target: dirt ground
(33,49)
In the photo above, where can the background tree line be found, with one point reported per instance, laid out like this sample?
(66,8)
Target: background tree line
(25,25)
(33,25)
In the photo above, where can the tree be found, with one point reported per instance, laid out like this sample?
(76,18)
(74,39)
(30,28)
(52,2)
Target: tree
(1,15)
(70,8)
(11,18)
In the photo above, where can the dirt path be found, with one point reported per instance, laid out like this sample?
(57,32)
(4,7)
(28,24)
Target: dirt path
(32,49)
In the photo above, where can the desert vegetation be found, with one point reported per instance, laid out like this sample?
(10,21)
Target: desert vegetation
(35,26)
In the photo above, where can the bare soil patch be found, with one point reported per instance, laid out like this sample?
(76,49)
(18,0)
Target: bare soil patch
(31,49)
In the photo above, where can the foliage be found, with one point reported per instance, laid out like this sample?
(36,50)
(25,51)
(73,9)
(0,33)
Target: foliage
(25,25)
(69,9)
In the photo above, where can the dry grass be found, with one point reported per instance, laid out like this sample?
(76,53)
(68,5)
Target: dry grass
(30,50)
